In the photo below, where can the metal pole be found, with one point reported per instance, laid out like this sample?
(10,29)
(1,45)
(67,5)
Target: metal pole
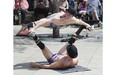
(56,32)
(79,30)
(56,29)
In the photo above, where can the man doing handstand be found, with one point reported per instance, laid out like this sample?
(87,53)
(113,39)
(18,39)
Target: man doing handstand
(56,19)
(65,58)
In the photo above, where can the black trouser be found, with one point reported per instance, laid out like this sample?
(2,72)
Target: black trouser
(15,14)
(41,11)
(23,16)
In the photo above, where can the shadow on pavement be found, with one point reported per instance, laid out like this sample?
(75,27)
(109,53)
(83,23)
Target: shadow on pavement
(43,37)
(23,66)
(77,68)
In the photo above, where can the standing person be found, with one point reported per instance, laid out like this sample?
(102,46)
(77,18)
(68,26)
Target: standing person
(52,6)
(16,11)
(23,9)
(56,19)
(65,58)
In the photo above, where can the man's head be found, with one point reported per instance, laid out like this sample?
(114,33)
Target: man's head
(71,11)
(72,51)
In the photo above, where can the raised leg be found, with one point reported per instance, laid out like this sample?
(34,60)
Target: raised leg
(70,41)
(46,52)
(25,29)
(63,49)
(31,27)
(79,30)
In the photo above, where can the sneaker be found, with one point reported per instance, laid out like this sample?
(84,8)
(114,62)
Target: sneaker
(100,24)
(92,27)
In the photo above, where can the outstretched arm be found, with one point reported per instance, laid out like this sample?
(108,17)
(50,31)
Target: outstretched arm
(80,22)
(54,65)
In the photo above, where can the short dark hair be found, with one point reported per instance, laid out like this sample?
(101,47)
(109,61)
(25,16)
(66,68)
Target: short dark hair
(72,11)
(72,51)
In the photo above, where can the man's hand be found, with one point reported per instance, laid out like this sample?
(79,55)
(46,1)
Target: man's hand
(34,65)
(89,27)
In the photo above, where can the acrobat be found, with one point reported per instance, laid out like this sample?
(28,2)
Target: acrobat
(65,58)
(56,19)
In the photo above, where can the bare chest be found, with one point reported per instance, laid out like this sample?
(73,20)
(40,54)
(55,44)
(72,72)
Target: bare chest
(62,21)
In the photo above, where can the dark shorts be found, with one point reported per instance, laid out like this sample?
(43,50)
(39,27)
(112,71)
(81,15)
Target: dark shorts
(52,25)
(50,60)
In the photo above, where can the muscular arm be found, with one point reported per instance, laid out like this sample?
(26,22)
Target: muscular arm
(58,65)
(79,22)
(54,65)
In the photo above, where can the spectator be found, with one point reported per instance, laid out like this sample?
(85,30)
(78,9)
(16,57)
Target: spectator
(42,7)
(82,8)
(23,8)
(58,5)
(31,5)
(16,11)
(94,10)
(63,5)
(71,3)
(101,11)
(17,5)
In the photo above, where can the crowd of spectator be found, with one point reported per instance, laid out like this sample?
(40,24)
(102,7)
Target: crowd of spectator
(84,8)
(21,6)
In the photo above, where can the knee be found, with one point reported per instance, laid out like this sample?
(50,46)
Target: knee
(94,12)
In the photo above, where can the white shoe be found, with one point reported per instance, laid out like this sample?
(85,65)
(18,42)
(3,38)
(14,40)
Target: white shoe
(92,27)
(100,24)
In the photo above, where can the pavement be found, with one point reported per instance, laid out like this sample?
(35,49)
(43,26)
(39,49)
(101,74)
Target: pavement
(89,49)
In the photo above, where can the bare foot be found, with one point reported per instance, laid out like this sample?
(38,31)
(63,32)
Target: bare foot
(24,32)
